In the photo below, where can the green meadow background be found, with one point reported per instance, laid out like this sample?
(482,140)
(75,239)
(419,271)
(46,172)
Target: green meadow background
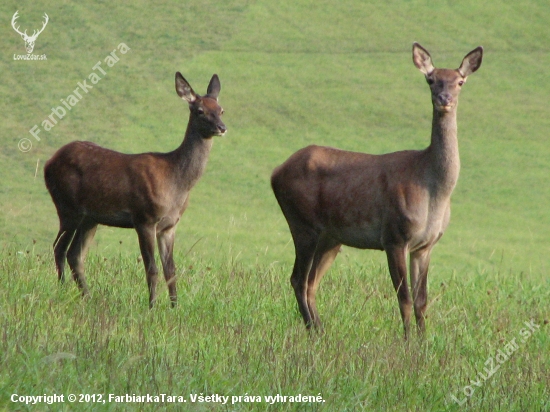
(293,73)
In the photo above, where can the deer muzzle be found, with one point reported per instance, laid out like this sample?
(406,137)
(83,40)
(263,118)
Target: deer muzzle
(444,102)
(221,128)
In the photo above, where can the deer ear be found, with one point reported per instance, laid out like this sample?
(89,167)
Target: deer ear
(471,62)
(184,90)
(214,87)
(422,59)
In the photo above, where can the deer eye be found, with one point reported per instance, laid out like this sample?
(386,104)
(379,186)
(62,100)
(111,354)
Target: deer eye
(200,110)
(430,80)
(460,83)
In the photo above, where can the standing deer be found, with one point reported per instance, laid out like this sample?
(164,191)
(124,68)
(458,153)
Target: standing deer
(29,40)
(397,202)
(149,192)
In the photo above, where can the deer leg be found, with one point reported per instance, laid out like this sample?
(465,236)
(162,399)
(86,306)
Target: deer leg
(69,221)
(305,244)
(397,263)
(60,247)
(146,236)
(77,252)
(420,262)
(326,252)
(165,241)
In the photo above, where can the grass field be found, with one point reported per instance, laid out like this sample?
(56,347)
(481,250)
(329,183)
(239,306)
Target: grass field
(292,74)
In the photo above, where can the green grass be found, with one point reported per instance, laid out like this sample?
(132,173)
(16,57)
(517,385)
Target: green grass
(292,74)
(236,331)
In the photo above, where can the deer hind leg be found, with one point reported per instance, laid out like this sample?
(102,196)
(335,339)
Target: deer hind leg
(68,223)
(146,235)
(397,263)
(420,262)
(77,252)
(305,243)
(165,241)
(60,247)
(326,252)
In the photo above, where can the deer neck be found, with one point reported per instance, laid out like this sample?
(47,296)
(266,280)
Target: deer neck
(443,151)
(192,156)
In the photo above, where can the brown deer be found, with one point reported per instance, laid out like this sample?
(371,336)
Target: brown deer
(149,192)
(397,202)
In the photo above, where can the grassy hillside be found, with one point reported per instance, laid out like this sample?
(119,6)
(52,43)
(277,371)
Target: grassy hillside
(292,74)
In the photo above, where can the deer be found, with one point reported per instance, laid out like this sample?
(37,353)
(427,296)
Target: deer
(148,192)
(29,40)
(395,202)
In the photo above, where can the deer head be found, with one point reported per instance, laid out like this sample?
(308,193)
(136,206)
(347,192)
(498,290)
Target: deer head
(29,40)
(445,84)
(205,111)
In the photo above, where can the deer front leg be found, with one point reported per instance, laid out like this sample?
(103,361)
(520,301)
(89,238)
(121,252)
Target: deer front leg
(165,242)
(146,235)
(397,263)
(420,262)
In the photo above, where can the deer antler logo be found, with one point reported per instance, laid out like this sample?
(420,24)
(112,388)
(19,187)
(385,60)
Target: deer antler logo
(29,40)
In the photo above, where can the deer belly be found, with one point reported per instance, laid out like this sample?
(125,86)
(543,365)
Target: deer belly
(118,219)
(358,237)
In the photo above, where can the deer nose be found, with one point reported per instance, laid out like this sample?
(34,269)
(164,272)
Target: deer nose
(445,99)
(222,128)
